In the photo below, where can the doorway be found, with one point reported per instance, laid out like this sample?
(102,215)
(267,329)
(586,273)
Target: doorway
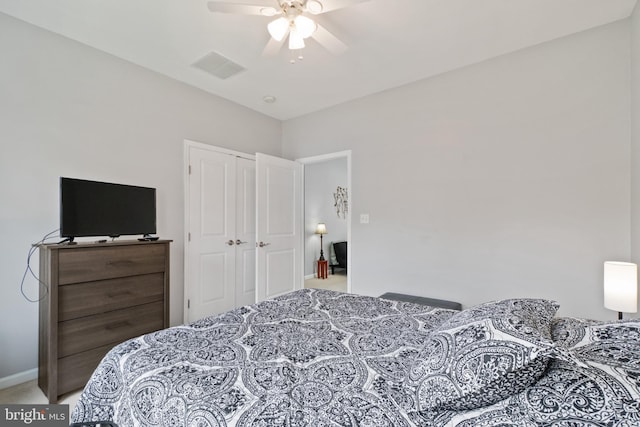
(327,200)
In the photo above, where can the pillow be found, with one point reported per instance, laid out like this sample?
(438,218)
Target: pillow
(615,343)
(484,354)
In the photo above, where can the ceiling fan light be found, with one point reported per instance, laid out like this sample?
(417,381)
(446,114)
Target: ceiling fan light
(295,40)
(305,26)
(278,28)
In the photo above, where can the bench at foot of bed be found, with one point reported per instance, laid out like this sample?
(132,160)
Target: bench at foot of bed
(440,303)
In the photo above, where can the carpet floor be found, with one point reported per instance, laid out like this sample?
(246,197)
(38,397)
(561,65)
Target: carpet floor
(334,282)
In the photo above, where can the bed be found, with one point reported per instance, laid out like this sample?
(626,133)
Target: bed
(324,358)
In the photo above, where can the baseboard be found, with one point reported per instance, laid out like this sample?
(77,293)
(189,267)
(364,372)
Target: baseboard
(19,378)
(310,276)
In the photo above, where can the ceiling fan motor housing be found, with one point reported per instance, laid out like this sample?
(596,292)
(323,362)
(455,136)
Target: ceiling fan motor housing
(291,9)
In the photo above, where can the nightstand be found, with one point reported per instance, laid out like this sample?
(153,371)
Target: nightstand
(323,266)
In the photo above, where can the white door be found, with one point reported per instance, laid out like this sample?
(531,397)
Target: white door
(220,262)
(279,226)
(212,225)
(245,232)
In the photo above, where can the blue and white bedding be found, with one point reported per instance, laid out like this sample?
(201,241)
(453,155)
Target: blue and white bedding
(323,358)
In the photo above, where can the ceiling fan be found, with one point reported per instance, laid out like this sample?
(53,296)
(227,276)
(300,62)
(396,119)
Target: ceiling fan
(292,20)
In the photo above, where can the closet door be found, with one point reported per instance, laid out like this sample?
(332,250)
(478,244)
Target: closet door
(245,232)
(230,202)
(211,262)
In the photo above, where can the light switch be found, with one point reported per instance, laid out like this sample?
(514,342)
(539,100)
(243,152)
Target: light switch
(364,218)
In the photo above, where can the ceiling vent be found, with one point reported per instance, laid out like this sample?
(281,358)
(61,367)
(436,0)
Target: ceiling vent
(219,66)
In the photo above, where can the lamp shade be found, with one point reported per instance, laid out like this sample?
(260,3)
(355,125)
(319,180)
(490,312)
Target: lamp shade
(621,286)
(321,228)
(305,26)
(296,41)
(278,28)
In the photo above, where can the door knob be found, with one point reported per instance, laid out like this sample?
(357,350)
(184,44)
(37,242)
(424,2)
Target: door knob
(240,242)
(263,244)
(230,243)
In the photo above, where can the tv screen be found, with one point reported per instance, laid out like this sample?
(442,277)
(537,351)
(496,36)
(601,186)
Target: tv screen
(91,208)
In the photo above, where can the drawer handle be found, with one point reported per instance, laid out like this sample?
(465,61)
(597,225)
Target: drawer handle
(122,263)
(117,325)
(113,295)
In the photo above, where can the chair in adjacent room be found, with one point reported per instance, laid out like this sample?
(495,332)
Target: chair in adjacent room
(340,260)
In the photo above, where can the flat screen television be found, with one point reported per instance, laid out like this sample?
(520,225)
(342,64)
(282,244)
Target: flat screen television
(91,208)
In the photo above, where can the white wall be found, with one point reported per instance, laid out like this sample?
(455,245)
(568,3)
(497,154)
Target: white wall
(320,183)
(635,135)
(507,178)
(70,110)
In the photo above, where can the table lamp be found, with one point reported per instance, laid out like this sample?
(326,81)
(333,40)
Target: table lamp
(621,287)
(321,229)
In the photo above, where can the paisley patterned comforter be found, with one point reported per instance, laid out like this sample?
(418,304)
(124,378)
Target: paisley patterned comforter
(323,358)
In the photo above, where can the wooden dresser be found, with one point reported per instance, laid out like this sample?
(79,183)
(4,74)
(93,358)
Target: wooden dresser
(96,296)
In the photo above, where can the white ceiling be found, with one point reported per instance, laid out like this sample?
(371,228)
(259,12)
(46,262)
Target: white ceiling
(391,42)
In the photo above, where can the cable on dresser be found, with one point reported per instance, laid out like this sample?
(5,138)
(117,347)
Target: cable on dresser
(28,270)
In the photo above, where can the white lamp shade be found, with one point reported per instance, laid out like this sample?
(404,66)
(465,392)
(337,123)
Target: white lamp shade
(621,286)
(295,40)
(305,26)
(278,28)
(321,229)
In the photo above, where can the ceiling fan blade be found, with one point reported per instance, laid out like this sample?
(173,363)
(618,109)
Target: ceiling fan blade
(329,41)
(273,47)
(330,5)
(242,9)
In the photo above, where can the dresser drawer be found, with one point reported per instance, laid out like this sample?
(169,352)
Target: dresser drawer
(106,262)
(74,371)
(85,333)
(86,299)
